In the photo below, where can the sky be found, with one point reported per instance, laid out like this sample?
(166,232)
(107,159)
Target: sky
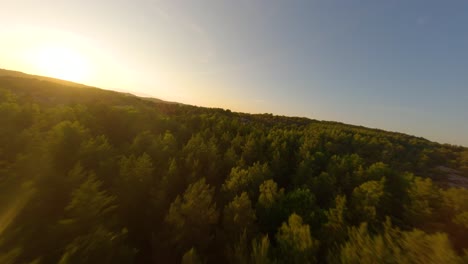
(394,65)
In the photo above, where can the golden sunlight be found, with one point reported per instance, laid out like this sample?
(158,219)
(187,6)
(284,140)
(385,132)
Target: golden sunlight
(62,63)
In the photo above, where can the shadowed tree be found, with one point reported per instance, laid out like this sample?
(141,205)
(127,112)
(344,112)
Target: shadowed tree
(335,228)
(366,199)
(423,196)
(191,257)
(249,180)
(239,217)
(260,251)
(268,207)
(295,243)
(395,246)
(65,141)
(93,243)
(192,217)
(300,201)
(99,246)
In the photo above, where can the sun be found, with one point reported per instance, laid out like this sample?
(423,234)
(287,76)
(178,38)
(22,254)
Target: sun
(62,63)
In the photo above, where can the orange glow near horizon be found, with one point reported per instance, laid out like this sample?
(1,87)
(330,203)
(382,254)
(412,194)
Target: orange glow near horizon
(61,62)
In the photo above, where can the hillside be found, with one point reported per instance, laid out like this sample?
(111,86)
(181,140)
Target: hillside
(8,73)
(95,176)
(4,73)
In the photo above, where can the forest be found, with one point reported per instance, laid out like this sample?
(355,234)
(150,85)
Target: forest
(95,176)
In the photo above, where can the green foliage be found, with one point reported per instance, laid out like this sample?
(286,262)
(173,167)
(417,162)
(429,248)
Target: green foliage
(95,151)
(324,187)
(239,253)
(246,179)
(94,176)
(463,161)
(377,171)
(192,216)
(136,169)
(366,199)
(260,251)
(425,248)
(335,227)
(454,212)
(455,204)
(239,216)
(269,211)
(269,194)
(300,201)
(191,257)
(89,204)
(100,246)
(395,246)
(10,256)
(134,193)
(65,141)
(362,248)
(200,158)
(345,170)
(422,198)
(295,243)
(464,258)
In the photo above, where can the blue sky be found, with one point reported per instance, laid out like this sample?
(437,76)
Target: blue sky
(394,65)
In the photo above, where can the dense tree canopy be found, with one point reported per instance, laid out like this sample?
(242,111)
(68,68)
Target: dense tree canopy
(94,176)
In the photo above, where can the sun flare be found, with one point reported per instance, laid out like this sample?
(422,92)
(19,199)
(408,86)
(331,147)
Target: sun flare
(63,63)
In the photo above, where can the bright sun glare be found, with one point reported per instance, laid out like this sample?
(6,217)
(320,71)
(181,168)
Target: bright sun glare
(62,63)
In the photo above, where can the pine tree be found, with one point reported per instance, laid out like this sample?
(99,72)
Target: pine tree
(295,243)
(192,216)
